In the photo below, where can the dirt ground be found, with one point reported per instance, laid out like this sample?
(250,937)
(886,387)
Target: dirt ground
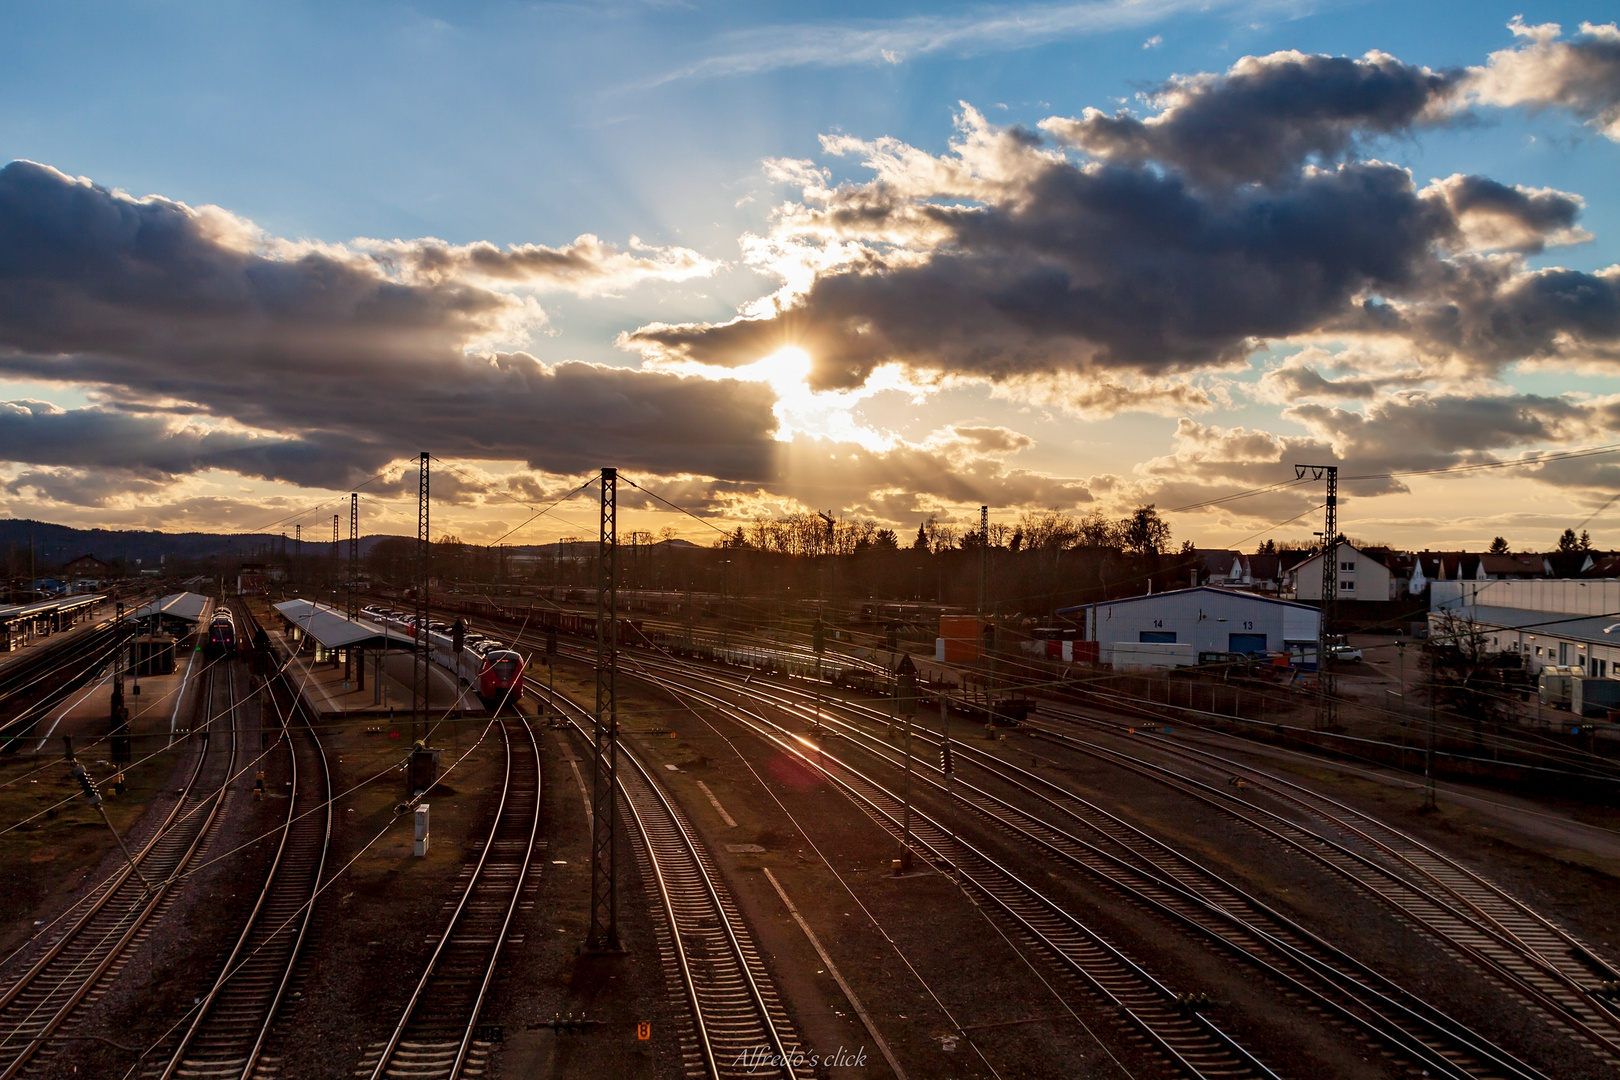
(923,957)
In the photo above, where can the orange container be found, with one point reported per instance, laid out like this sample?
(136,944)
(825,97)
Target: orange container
(959,627)
(961,650)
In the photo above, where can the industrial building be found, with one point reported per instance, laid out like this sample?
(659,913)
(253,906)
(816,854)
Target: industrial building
(1550,622)
(1171,629)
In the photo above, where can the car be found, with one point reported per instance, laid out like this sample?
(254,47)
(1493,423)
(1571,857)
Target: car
(1345,654)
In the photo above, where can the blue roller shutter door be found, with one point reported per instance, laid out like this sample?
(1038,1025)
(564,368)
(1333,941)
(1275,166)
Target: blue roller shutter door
(1253,644)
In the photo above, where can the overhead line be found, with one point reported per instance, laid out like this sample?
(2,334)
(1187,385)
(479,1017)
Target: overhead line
(673,506)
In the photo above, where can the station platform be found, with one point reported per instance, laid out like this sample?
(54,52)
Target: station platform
(330,695)
(26,650)
(162,709)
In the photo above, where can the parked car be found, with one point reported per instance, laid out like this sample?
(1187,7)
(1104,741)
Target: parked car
(1345,654)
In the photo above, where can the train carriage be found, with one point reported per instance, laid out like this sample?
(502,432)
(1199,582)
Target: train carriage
(221,635)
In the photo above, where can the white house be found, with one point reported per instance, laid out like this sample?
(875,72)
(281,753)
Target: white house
(1361,576)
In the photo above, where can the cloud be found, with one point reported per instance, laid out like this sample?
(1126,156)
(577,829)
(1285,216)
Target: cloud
(869,41)
(1002,259)
(353,359)
(587,266)
(1581,74)
(1265,116)
(1492,216)
(1008,261)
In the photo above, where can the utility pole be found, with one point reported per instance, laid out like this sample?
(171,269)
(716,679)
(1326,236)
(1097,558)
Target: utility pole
(604,931)
(420,656)
(354,555)
(1428,755)
(1327,707)
(984,598)
(298,549)
(947,762)
(905,692)
(818,644)
(334,561)
(832,551)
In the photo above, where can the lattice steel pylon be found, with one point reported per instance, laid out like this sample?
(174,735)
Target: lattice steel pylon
(335,564)
(421,658)
(1327,706)
(604,932)
(353,606)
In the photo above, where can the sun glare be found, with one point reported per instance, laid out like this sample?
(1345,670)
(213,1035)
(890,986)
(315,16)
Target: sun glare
(787,370)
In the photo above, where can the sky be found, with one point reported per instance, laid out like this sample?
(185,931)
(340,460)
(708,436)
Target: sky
(888,262)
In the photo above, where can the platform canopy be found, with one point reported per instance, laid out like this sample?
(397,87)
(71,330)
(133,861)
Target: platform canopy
(185,606)
(11,614)
(335,630)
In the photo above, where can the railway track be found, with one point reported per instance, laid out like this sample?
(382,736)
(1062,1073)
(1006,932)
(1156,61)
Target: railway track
(1488,927)
(79,963)
(229,1030)
(34,684)
(1156,876)
(735,1012)
(1189,1042)
(436,1037)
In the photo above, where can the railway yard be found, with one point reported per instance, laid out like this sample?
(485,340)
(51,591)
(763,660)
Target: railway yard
(277,869)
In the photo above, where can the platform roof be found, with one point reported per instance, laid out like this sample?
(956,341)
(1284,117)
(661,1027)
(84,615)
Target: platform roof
(186,606)
(335,630)
(39,608)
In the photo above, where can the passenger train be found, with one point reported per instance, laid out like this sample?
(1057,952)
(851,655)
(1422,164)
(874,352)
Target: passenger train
(494,671)
(221,634)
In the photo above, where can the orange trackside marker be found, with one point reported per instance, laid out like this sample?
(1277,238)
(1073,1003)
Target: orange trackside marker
(644,1031)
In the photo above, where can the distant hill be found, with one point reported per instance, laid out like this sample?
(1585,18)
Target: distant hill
(60,543)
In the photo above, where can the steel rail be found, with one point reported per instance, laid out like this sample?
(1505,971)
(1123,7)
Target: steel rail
(1423,859)
(1189,1040)
(1462,926)
(711,904)
(61,992)
(1184,894)
(440,1045)
(230,1027)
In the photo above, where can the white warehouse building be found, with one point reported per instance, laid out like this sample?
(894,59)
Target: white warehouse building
(1172,628)
(1563,622)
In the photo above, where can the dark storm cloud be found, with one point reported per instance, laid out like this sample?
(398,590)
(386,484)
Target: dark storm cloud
(1090,269)
(1004,259)
(101,439)
(174,309)
(1265,116)
(1491,312)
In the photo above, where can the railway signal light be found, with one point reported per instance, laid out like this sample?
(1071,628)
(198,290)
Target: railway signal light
(88,784)
(458,635)
(818,637)
(551,641)
(905,687)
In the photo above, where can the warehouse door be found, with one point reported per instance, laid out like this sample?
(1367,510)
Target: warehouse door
(1247,643)
(1161,637)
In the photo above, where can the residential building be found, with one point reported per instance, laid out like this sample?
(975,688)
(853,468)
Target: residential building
(1362,576)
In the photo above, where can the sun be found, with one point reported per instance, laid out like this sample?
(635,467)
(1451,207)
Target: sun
(787,370)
